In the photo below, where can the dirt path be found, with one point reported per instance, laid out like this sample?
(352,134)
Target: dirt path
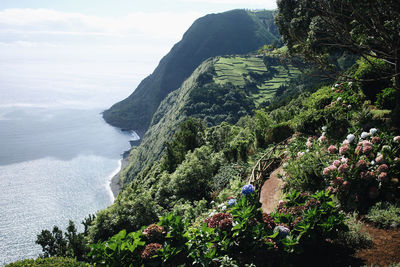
(386,247)
(271,191)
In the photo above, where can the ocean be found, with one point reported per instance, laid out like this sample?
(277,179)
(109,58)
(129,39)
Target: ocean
(57,155)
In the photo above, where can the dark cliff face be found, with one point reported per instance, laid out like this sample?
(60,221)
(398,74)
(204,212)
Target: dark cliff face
(232,32)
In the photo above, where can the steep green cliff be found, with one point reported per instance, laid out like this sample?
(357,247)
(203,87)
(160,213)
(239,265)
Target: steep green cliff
(221,89)
(232,32)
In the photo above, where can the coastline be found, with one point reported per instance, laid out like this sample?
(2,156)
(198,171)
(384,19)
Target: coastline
(115,183)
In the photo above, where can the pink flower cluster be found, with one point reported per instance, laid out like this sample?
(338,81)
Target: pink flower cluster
(329,169)
(343,168)
(366,146)
(222,221)
(343,149)
(332,149)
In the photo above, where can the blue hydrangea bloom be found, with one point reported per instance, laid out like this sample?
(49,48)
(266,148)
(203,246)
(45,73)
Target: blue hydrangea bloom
(232,202)
(283,231)
(247,189)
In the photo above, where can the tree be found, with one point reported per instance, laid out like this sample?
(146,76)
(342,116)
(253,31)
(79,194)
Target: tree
(369,28)
(53,243)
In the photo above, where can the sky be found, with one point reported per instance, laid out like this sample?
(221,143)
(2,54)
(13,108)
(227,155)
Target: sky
(64,39)
(102,28)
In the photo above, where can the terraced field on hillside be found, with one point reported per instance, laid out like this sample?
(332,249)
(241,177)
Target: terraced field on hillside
(236,69)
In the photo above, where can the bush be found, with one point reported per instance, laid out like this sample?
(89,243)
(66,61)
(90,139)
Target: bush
(373,72)
(278,133)
(49,262)
(385,215)
(304,168)
(365,170)
(386,99)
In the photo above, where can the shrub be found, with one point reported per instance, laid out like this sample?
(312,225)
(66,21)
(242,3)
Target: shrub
(386,99)
(374,72)
(49,262)
(304,168)
(278,133)
(365,170)
(385,215)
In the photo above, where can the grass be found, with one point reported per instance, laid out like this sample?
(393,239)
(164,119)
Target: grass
(235,68)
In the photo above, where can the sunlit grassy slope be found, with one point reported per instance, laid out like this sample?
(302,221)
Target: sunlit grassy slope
(236,69)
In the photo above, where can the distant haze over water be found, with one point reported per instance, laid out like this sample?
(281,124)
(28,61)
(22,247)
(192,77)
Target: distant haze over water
(56,152)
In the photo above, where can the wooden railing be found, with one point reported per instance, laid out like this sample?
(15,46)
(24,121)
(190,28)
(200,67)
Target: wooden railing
(265,165)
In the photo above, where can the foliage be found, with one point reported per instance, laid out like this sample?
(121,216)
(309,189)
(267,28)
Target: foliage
(304,169)
(120,250)
(49,262)
(370,73)
(217,103)
(71,244)
(188,137)
(386,99)
(385,215)
(316,29)
(354,238)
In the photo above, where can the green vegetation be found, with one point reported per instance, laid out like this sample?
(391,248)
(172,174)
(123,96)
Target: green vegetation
(262,77)
(187,198)
(385,215)
(49,262)
(239,233)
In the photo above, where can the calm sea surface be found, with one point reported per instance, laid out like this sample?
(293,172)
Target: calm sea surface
(57,155)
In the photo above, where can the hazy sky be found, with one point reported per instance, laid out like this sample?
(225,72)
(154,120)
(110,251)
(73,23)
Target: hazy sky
(102,28)
(58,51)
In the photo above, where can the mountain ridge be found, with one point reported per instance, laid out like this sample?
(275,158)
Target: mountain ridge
(231,32)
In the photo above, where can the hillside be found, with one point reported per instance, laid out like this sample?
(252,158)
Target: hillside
(221,89)
(232,32)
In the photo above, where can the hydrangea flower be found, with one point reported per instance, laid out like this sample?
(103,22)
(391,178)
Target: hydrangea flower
(379,158)
(343,168)
(150,250)
(383,168)
(364,135)
(322,138)
(343,149)
(373,131)
(329,169)
(283,231)
(332,149)
(382,176)
(350,138)
(336,163)
(309,144)
(248,189)
(232,202)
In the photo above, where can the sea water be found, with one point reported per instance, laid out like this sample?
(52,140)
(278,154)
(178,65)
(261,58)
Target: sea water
(57,155)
